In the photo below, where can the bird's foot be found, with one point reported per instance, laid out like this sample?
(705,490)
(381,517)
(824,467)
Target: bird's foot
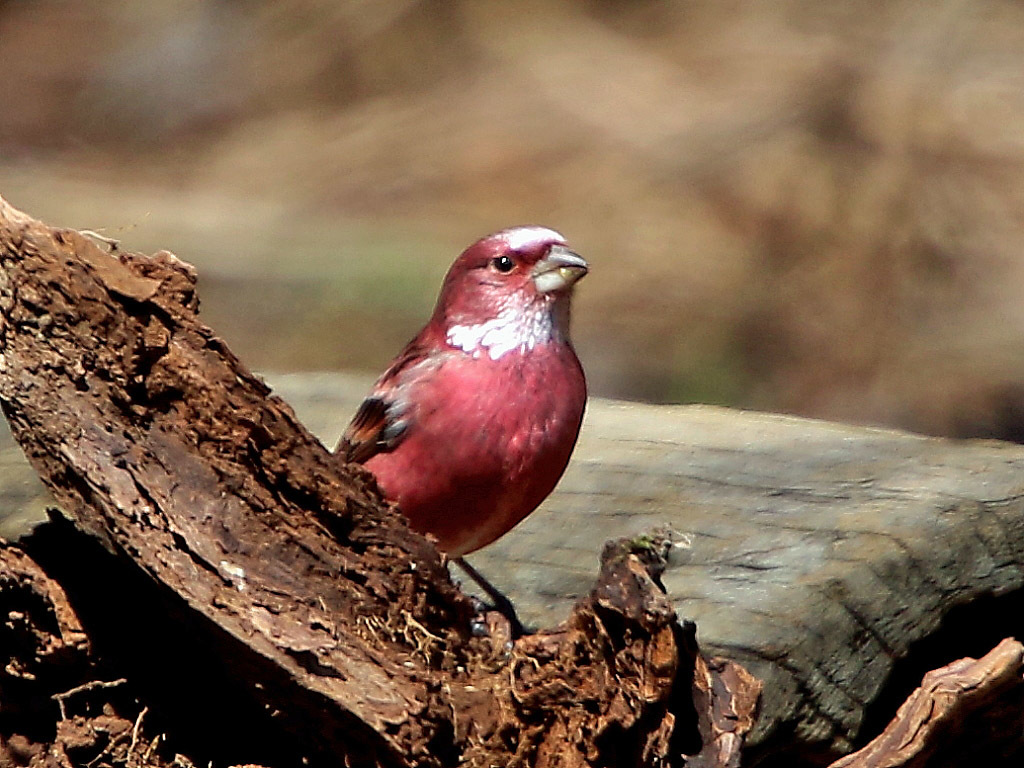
(499,603)
(493,621)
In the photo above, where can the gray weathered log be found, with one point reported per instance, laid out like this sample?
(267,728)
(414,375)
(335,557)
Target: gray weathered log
(819,553)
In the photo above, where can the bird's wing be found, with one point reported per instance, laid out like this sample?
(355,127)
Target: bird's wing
(371,431)
(380,424)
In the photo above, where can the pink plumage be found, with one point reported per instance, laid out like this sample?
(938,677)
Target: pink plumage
(472,425)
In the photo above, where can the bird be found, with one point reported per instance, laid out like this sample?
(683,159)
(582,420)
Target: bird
(473,423)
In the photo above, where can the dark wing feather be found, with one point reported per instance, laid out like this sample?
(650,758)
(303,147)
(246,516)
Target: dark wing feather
(373,430)
(379,426)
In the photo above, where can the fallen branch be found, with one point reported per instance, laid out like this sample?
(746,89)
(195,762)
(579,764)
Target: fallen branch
(92,685)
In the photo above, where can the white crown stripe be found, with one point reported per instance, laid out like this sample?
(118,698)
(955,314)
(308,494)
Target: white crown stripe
(521,237)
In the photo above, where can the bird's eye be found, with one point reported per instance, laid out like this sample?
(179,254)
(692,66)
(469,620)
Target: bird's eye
(503,263)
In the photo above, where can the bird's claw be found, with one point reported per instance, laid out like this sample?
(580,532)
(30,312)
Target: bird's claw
(494,622)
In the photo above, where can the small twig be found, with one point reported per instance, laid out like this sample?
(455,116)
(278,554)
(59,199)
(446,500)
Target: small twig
(93,685)
(152,748)
(107,750)
(129,762)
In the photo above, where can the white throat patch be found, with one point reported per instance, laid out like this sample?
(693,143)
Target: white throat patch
(513,329)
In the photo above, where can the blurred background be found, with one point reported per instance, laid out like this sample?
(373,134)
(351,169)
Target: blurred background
(810,207)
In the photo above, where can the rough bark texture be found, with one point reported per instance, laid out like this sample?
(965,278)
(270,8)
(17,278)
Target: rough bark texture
(269,579)
(62,707)
(157,441)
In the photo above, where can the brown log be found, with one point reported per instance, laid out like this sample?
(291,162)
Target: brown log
(285,570)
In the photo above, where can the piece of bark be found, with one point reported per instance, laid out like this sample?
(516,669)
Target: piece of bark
(286,567)
(731,697)
(157,441)
(970,711)
(564,713)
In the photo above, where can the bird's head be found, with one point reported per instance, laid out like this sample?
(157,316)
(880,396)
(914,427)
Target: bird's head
(509,290)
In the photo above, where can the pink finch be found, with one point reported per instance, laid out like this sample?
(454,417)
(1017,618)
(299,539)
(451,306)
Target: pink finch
(472,425)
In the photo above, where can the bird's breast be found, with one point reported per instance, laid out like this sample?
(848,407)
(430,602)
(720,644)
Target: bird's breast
(487,442)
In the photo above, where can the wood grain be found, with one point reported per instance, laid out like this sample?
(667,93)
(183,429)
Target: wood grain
(818,555)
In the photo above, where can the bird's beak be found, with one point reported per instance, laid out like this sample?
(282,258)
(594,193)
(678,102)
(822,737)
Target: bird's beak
(559,270)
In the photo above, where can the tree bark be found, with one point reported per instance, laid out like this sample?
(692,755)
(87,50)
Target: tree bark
(284,574)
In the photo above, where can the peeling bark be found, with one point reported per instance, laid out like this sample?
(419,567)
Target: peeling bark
(968,712)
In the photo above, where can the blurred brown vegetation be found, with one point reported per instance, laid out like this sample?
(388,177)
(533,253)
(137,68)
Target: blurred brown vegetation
(813,207)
